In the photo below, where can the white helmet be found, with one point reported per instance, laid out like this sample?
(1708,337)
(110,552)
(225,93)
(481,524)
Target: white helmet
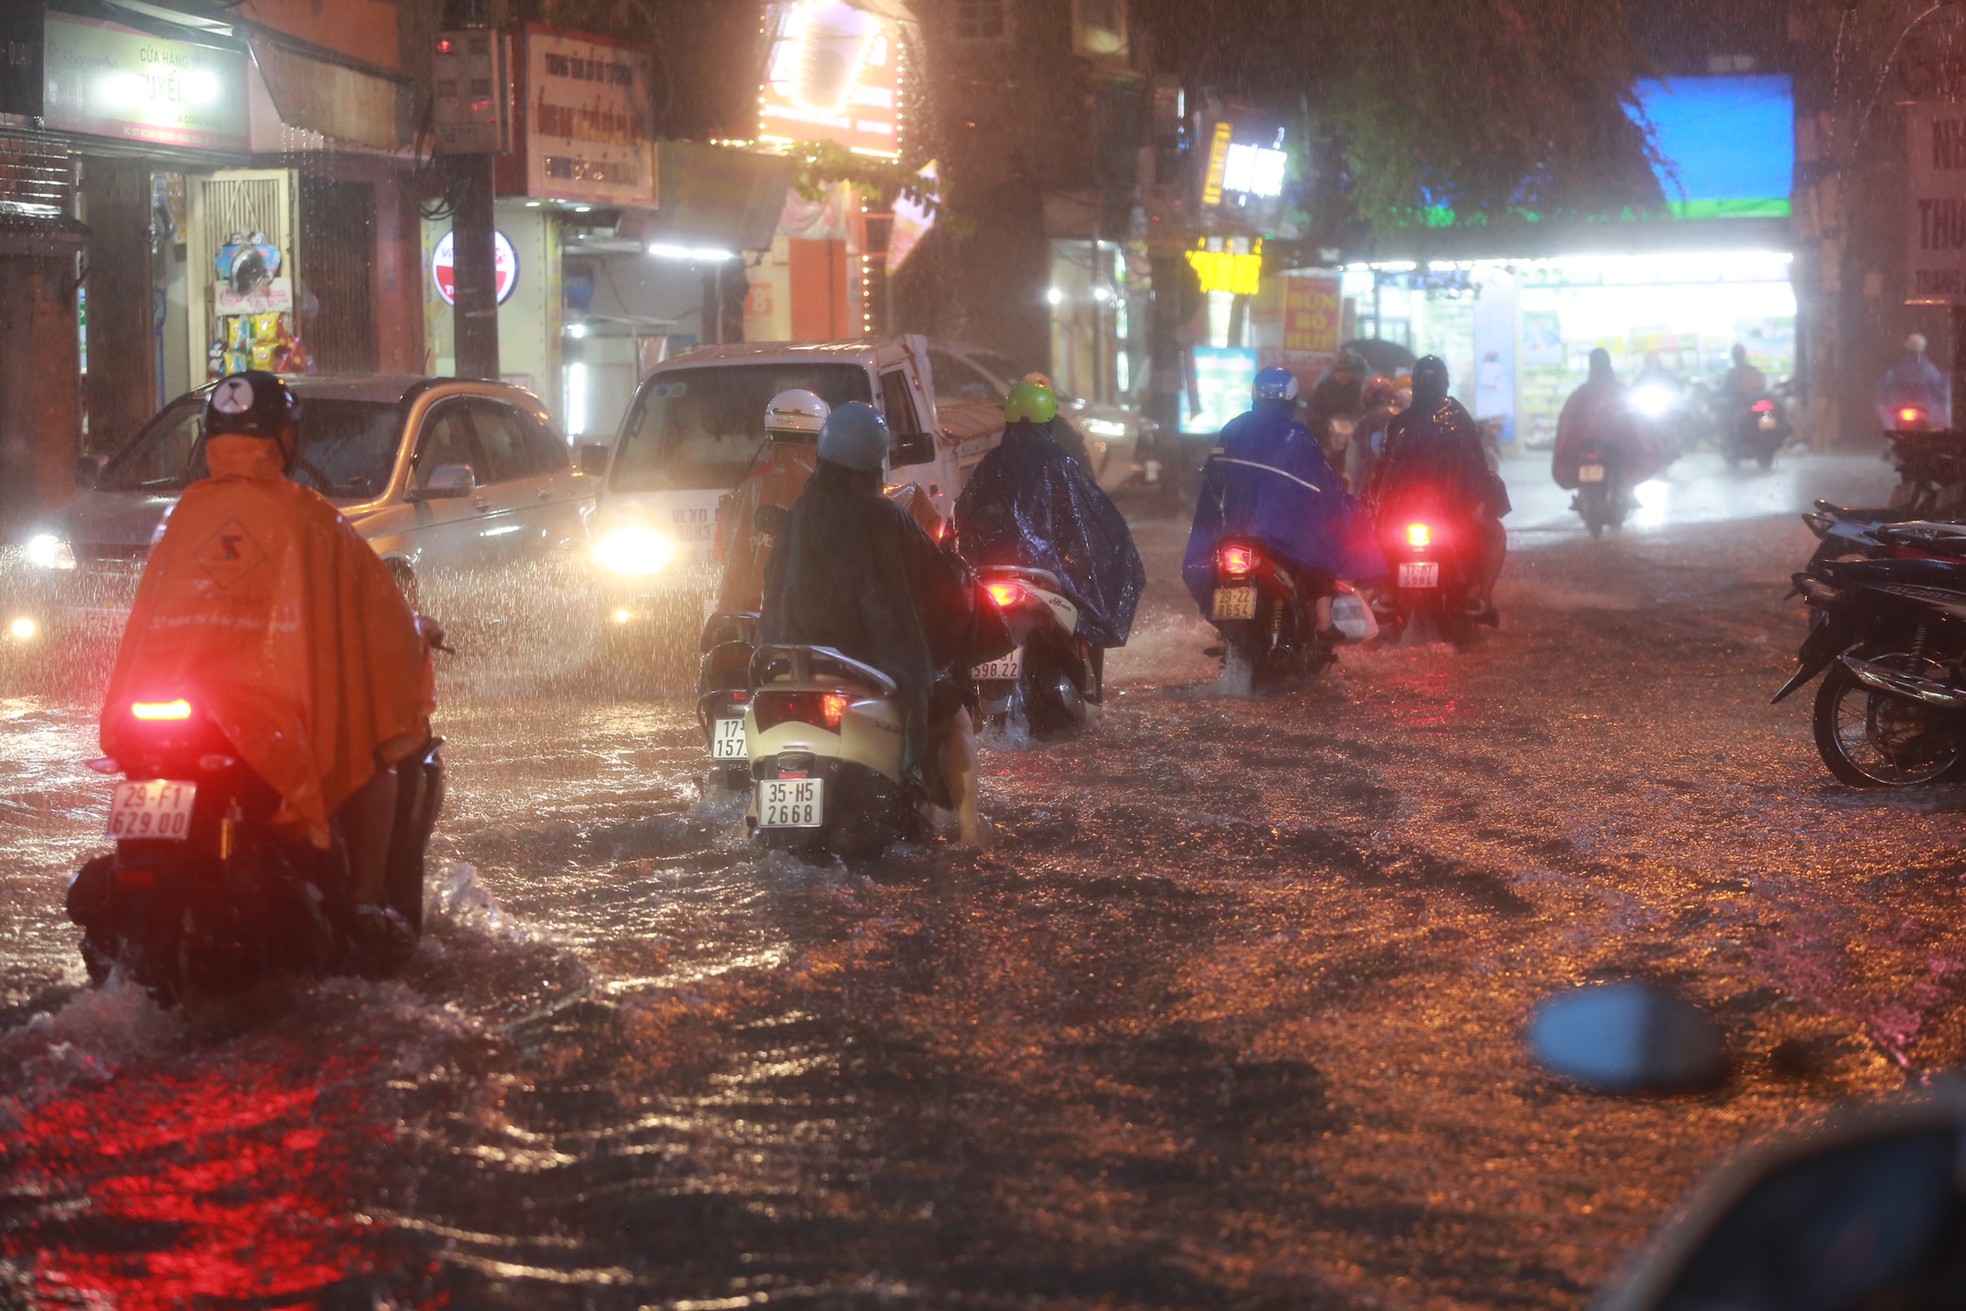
(1915,343)
(798,414)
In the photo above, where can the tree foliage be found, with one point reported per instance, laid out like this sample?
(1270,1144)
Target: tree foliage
(1486,108)
(821,164)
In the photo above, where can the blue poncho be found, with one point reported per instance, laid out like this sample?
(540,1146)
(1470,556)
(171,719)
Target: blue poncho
(1267,479)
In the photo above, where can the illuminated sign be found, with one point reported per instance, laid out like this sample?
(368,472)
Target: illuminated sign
(588,120)
(1233,264)
(109,81)
(833,73)
(1223,378)
(1311,308)
(1726,144)
(443,266)
(1241,171)
(1218,163)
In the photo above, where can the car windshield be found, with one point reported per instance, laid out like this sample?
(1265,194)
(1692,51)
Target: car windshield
(347,449)
(992,362)
(693,429)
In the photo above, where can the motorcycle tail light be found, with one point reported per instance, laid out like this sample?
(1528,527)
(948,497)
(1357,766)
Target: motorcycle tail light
(1005,595)
(1237,561)
(1764,407)
(820,709)
(1419,534)
(154,711)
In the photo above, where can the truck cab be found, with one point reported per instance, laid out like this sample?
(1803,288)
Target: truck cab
(696,426)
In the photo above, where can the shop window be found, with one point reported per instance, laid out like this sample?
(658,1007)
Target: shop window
(447,440)
(982,20)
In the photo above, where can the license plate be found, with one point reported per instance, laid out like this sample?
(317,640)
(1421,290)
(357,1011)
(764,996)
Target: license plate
(727,741)
(1006,669)
(159,808)
(1234,603)
(1591,473)
(1423,574)
(791,802)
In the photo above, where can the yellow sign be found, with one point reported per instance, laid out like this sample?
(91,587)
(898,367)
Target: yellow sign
(1234,271)
(1218,163)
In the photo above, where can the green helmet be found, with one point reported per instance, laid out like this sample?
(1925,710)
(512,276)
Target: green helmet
(1030,402)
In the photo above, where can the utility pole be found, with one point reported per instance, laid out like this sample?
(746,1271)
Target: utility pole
(472,128)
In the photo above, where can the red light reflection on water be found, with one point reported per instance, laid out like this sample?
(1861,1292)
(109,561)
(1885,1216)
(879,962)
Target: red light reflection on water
(197,1188)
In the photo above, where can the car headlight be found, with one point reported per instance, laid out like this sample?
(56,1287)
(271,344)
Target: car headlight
(47,551)
(633,549)
(1106,428)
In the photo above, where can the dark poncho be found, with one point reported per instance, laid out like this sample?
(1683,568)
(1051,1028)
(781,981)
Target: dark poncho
(1433,455)
(1030,505)
(851,570)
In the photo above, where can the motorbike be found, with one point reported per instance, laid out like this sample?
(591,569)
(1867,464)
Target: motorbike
(202,896)
(1931,465)
(1602,497)
(1854,532)
(723,692)
(1047,683)
(1431,588)
(1757,433)
(1889,637)
(823,737)
(1268,626)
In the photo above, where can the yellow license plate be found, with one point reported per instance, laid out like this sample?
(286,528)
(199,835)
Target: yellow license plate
(1234,603)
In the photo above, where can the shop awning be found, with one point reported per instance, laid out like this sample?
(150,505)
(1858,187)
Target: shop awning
(713,196)
(318,92)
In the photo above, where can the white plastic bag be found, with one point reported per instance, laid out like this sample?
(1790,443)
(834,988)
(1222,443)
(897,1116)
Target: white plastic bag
(1353,617)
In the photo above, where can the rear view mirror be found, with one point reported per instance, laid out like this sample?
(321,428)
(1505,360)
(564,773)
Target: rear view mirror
(914,448)
(1629,1038)
(593,458)
(88,469)
(447,481)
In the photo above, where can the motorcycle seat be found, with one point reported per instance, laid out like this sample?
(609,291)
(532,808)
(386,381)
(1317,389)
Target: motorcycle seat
(800,668)
(1866,513)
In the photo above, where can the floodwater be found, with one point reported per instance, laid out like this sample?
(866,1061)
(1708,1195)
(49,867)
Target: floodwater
(1230,1015)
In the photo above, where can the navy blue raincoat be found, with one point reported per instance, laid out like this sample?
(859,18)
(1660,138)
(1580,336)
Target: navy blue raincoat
(1267,479)
(1031,505)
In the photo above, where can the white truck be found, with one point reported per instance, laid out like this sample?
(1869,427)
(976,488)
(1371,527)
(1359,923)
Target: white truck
(696,425)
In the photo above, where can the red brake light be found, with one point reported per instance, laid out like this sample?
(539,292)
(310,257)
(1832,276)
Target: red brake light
(820,709)
(445,45)
(1236,561)
(1005,594)
(832,706)
(1419,534)
(1909,414)
(155,710)
(1764,407)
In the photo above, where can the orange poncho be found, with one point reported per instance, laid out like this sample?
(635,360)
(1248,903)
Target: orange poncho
(265,610)
(781,481)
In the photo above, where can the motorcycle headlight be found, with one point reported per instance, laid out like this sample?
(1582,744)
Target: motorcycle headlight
(1110,429)
(633,549)
(47,551)
(1652,402)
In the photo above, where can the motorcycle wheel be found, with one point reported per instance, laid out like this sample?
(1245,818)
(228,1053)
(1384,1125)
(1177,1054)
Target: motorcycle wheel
(1871,740)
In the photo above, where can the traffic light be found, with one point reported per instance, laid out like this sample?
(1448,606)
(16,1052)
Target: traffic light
(467,71)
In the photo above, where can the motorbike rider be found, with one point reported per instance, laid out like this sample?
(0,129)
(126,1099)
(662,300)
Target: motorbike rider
(1063,430)
(1914,383)
(1598,419)
(1380,401)
(1267,479)
(1744,384)
(261,605)
(1028,504)
(853,571)
(792,423)
(1433,456)
(1337,393)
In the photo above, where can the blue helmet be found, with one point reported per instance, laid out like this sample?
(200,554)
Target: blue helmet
(1275,384)
(855,435)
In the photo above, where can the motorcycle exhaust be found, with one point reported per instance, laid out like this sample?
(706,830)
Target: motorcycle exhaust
(1910,687)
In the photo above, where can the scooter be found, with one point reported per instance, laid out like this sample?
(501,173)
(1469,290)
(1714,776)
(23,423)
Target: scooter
(1047,683)
(1268,626)
(1602,497)
(202,897)
(723,692)
(1431,590)
(1757,433)
(823,737)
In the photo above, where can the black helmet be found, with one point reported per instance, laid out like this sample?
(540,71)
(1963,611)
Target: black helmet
(1429,381)
(251,404)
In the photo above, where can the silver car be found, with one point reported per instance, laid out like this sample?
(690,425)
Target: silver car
(1109,435)
(446,478)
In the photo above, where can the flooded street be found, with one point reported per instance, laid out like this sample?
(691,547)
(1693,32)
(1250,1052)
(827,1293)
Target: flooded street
(1229,1016)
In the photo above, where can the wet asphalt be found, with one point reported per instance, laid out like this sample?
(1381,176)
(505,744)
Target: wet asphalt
(1229,1016)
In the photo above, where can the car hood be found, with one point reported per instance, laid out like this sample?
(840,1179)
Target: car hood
(119,523)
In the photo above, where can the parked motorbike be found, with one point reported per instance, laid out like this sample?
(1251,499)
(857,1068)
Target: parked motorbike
(1757,433)
(1891,644)
(1877,532)
(202,897)
(723,693)
(1431,587)
(1931,465)
(1602,497)
(1268,625)
(823,735)
(1046,683)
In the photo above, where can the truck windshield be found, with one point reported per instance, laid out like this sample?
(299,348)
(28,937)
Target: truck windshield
(694,429)
(347,449)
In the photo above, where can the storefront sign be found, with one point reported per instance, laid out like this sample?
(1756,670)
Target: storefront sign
(1937,212)
(443,269)
(275,295)
(588,121)
(1245,167)
(833,73)
(21,79)
(110,81)
(1310,316)
(1233,265)
(912,220)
